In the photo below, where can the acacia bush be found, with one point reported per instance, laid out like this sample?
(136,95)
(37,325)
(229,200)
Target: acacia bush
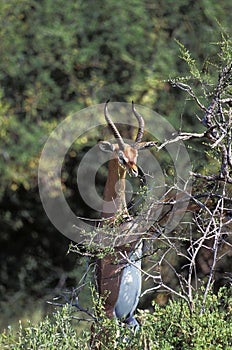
(56,58)
(195,317)
(167,327)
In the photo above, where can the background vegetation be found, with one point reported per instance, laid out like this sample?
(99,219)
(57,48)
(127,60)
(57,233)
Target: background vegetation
(57,58)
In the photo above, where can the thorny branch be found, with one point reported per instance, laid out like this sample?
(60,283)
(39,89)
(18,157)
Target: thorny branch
(217,119)
(212,221)
(202,240)
(213,218)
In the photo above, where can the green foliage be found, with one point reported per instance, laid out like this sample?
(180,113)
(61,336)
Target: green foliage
(187,57)
(169,327)
(56,59)
(51,333)
(193,330)
(18,167)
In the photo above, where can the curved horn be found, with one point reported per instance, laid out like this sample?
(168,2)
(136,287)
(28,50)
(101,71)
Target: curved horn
(141,124)
(113,127)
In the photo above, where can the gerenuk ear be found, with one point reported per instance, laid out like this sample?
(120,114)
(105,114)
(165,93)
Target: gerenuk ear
(106,146)
(144,145)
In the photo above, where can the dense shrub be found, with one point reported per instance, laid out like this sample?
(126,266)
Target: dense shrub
(172,326)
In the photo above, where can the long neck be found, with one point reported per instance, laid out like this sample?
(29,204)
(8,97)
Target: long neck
(114,200)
